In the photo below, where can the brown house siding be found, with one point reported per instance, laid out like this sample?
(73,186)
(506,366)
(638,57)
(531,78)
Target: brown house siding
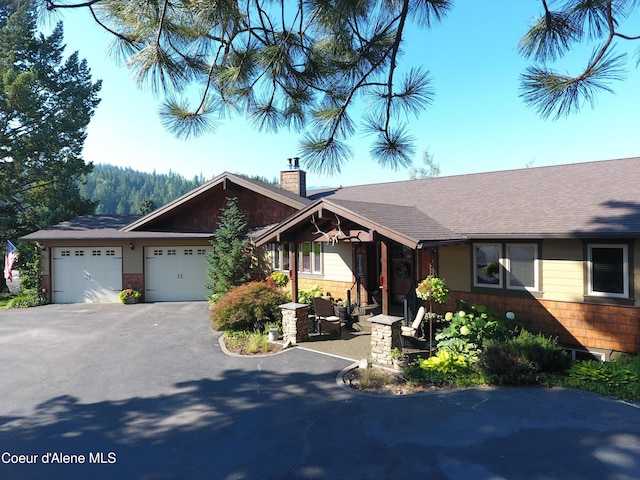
(605,327)
(337,290)
(203,214)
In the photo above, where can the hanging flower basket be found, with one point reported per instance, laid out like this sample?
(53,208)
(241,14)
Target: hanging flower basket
(433,289)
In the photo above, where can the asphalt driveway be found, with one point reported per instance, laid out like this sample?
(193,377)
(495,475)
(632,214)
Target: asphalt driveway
(145,392)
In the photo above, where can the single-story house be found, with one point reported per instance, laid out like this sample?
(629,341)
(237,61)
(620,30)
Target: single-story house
(162,254)
(556,245)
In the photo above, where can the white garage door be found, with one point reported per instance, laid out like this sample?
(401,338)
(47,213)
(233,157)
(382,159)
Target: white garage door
(86,275)
(176,273)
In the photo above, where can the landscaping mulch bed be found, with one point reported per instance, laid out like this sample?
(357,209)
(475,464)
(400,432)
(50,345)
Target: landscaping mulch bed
(239,347)
(386,382)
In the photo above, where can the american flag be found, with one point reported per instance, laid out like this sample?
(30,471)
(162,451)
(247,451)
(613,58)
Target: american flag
(9,259)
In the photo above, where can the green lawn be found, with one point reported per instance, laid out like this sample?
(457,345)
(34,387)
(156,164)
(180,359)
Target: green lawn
(4,300)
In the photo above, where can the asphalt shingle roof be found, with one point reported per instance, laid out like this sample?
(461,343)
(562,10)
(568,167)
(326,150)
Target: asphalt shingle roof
(595,198)
(100,227)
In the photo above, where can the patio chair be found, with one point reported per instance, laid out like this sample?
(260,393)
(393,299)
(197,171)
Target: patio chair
(412,333)
(324,311)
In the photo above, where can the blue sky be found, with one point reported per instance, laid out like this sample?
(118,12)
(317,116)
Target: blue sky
(477,121)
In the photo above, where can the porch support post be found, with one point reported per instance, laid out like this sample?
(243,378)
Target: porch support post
(295,322)
(384,275)
(294,271)
(386,334)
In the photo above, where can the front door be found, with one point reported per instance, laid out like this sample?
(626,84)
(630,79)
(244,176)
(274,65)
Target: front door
(402,275)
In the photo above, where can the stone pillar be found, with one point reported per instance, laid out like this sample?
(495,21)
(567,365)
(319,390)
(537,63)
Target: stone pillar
(295,322)
(386,334)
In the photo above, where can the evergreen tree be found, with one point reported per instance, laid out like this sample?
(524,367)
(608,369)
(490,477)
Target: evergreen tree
(230,262)
(304,65)
(430,167)
(127,191)
(46,103)
(146,206)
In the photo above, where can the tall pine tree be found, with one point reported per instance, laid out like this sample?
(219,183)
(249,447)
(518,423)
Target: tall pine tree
(46,103)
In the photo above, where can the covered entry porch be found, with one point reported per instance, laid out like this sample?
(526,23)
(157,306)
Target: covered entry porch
(383,264)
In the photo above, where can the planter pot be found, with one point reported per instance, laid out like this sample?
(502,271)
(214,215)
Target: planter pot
(130,301)
(273,334)
(398,363)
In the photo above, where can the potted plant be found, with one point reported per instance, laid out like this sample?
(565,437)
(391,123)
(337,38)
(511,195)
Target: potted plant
(397,358)
(340,306)
(129,295)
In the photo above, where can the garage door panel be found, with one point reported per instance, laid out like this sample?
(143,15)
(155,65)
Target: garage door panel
(176,273)
(86,275)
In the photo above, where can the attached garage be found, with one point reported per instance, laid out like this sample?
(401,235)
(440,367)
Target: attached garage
(86,274)
(176,273)
(163,254)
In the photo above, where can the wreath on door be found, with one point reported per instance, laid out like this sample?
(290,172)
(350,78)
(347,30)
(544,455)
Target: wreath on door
(401,269)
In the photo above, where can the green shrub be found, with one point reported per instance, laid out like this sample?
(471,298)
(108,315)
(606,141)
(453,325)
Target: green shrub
(544,352)
(632,362)
(603,376)
(441,369)
(279,279)
(307,296)
(28,298)
(501,364)
(470,326)
(248,307)
(521,360)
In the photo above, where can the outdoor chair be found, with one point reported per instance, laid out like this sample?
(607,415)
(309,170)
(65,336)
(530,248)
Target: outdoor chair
(412,333)
(324,312)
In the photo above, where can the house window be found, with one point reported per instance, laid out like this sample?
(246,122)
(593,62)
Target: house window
(201,251)
(317,257)
(486,260)
(275,253)
(512,265)
(171,251)
(188,251)
(286,257)
(305,257)
(608,270)
(522,266)
(310,257)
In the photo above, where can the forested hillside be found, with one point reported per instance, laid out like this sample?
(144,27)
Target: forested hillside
(124,190)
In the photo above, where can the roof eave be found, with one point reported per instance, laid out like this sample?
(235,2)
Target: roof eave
(323,204)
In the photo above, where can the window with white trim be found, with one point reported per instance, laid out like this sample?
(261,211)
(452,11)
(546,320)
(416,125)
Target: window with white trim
(486,261)
(309,257)
(275,254)
(608,270)
(310,254)
(521,266)
(506,265)
(317,257)
(286,257)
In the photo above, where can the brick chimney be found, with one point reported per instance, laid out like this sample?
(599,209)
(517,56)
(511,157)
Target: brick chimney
(294,179)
